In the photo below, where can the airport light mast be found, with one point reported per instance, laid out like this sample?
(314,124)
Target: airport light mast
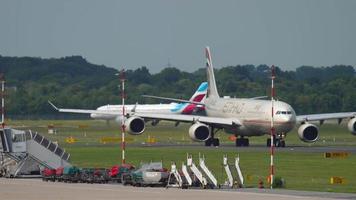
(2,79)
(123,96)
(272,169)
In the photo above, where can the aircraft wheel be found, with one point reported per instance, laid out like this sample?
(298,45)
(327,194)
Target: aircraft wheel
(209,142)
(268,142)
(275,142)
(246,142)
(216,142)
(238,142)
(242,142)
(283,143)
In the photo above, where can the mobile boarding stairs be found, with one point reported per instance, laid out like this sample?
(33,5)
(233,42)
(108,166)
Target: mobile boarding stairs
(203,176)
(26,153)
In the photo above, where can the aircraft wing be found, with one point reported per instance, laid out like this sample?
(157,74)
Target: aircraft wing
(191,118)
(169,117)
(325,116)
(82,111)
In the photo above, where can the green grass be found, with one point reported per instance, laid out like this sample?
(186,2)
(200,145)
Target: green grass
(302,171)
(166,132)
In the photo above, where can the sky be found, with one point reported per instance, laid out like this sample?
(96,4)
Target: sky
(159,33)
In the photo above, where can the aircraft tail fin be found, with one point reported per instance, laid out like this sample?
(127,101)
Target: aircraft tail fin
(200,93)
(195,103)
(212,90)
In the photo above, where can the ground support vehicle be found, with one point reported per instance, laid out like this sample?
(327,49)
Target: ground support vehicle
(117,171)
(151,174)
(87,175)
(59,174)
(48,174)
(101,175)
(71,175)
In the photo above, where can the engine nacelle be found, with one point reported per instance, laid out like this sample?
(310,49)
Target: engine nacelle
(135,125)
(352,126)
(199,132)
(308,132)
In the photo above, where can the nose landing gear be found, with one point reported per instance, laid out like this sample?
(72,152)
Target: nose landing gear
(278,141)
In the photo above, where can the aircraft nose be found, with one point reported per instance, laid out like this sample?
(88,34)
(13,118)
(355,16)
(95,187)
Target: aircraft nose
(289,118)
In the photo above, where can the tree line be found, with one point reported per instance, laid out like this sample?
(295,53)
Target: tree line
(73,82)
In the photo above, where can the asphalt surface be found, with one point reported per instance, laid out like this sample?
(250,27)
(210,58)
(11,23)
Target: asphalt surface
(252,148)
(36,189)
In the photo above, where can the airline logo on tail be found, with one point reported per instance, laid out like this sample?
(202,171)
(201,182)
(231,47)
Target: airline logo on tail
(198,96)
(208,57)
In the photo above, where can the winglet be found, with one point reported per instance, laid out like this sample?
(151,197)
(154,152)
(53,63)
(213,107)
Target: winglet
(53,105)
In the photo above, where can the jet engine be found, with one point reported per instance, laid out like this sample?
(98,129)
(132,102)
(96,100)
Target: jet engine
(352,126)
(308,132)
(135,125)
(199,132)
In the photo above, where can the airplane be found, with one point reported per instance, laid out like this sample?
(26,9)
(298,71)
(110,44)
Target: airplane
(114,112)
(242,117)
(182,108)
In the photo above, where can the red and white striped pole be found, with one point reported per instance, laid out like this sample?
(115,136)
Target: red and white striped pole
(273,76)
(123,95)
(2,79)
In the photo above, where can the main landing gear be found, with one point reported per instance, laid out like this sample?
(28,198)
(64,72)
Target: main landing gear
(242,142)
(212,141)
(277,141)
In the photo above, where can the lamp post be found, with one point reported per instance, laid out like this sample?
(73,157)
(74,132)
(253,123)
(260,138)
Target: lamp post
(272,169)
(123,95)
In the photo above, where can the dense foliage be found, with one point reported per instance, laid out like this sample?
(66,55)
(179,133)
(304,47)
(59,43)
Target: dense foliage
(72,82)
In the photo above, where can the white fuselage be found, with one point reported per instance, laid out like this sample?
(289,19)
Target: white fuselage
(139,108)
(255,115)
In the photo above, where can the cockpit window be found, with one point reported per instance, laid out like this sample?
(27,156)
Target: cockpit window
(283,112)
